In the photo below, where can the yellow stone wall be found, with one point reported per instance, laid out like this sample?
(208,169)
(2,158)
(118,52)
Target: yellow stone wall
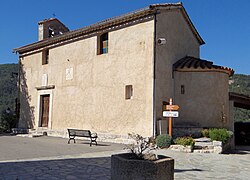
(180,42)
(205,102)
(95,97)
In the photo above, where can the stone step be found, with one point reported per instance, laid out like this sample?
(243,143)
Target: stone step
(203,139)
(203,151)
(203,146)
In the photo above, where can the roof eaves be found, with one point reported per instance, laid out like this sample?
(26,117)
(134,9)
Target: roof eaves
(109,22)
(97,26)
(190,23)
(188,64)
(185,14)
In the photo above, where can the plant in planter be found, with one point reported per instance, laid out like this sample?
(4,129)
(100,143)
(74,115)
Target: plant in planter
(185,141)
(185,144)
(141,146)
(220,138)
(140,163)
(163,141)
(222,135)
(217,134)
(205,133)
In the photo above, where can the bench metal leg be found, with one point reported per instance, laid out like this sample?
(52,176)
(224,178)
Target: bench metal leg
(71,139)
(93,140)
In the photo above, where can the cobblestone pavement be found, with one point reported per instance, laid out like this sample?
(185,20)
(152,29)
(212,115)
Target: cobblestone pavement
(94,162)
(80,168)
(211,166)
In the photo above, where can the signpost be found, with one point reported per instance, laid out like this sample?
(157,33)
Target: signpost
(170,113)
(172,107)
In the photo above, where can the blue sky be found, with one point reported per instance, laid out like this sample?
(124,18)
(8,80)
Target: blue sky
(223,24)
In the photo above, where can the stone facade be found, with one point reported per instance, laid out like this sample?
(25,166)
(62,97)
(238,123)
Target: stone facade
(88,90)
(95,96)
(205,102)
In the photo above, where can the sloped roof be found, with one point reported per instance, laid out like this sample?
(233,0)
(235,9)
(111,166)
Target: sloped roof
(53,19)
(240,100)
(192,64)
(150,10)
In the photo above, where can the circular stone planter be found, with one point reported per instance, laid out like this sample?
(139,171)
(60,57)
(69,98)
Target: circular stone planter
(127,167)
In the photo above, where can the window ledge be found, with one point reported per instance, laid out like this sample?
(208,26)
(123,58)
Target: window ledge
(45,87)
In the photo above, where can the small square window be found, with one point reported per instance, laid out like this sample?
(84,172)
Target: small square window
(45,57)
(102,44)
(128,92)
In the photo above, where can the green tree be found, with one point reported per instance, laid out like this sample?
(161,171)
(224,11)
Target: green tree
(8,88)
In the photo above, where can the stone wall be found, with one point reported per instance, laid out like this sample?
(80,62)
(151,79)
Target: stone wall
(92,95)
(205,102)
(180,42)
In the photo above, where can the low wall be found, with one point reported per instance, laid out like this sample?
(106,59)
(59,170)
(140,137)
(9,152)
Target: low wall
(194,132)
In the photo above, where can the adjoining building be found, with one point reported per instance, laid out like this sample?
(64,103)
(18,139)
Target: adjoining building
(114,77)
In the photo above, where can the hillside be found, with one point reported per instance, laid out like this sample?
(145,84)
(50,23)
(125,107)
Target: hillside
(8,87)
(240,83)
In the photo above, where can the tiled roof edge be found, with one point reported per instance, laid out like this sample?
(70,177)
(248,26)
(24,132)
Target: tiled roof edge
(193,64)
(151,9)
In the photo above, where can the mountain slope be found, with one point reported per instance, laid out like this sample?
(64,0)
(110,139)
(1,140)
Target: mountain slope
(8,86)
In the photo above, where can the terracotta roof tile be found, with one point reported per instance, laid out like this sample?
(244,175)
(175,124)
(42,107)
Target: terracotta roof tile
(189,63)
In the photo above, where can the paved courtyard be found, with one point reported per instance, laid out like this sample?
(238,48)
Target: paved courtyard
(25,158)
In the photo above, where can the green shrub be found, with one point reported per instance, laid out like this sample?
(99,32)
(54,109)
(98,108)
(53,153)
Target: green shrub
(219,134)
(7,121)
(185,141)
(2,129)
(205,133)
(163,141)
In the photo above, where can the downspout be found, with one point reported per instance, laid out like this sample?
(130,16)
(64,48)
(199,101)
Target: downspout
(154,79)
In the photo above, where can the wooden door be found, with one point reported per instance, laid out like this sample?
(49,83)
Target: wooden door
(45,110)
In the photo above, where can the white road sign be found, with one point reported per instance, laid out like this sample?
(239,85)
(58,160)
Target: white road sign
(170,114)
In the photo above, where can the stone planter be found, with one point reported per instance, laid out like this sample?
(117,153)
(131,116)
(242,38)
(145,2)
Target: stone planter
(127,167)
(220,147)
(181,148)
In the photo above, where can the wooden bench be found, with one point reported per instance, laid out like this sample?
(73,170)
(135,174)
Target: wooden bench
(82,133)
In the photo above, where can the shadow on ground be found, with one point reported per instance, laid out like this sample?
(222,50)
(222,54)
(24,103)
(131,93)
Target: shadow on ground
(93,144)
(240,150)
(185,170)
(5,134)
(82,168)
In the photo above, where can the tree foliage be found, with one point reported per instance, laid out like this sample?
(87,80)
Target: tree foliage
(8,88)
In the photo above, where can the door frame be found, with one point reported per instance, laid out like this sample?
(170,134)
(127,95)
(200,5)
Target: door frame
(39,109)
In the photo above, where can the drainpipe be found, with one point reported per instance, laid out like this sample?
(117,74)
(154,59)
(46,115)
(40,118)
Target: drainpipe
(154,78)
